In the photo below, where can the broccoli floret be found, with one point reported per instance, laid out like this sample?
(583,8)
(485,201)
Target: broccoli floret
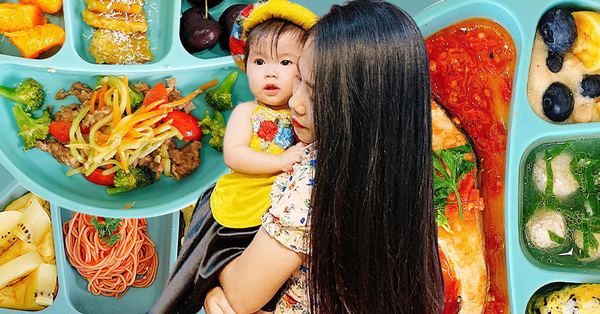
(28,94)
(135,98)
(137,178)
(215,127)
(31,129)
(220,97)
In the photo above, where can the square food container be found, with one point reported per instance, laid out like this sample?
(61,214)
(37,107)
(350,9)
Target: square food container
(526,131)
(73,296)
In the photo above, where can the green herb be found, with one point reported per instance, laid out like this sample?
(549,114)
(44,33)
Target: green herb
(555,237)
(451,166)
(107,229)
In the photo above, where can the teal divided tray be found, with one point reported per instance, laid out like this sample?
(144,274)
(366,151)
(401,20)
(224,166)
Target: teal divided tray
(73,296)
(526,130)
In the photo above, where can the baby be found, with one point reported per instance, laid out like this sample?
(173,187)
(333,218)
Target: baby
(266,43)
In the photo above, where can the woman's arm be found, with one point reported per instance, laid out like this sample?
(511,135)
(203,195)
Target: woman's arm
(252,279)
(236,146)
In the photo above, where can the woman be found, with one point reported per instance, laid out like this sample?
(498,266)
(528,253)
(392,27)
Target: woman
(371,231)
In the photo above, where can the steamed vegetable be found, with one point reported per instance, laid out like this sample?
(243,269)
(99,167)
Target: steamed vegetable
(216,128)
(220,97)
(135,99)
(31,129)
(137,178)
(28,94)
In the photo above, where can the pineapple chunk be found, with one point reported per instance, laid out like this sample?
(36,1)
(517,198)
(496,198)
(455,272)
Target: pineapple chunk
(126,23)
(22,203)
(106,6)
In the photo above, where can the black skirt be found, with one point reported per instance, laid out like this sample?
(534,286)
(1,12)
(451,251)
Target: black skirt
(207,248)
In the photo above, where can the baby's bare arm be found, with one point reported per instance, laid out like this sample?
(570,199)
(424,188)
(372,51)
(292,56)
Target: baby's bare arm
(236,145)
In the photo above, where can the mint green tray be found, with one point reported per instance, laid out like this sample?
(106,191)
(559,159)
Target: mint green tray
(526,130)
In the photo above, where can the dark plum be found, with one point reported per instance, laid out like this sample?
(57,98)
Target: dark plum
(226,20)
(590,86)
(211,3)
(199,31)
(558,102)
(558,29)
(554,62)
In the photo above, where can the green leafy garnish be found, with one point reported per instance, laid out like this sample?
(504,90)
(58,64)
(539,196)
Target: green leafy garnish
(555,237)
(107,229)
(445,180)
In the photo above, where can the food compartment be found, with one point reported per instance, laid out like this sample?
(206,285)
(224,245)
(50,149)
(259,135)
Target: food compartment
(163,232)
(559,209)
(160,18)
(565,297)
(15,199)
(40,172)
(563,84)
(8,49)
(216,50)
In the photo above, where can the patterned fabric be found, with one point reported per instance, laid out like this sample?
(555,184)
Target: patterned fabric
(240,199)
(260,12)
(287,222)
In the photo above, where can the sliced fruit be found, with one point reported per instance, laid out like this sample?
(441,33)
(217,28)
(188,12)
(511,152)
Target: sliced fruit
(8,220)
(46,247)
(18,249)
(33,225)
(40,290)
(22,203)
(32,42)
(18,268)
(587,45)
(16,17)
(48,6)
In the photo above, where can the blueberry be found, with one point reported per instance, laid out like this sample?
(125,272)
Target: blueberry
(554,61)
(558,102)
(558,29)
(590,86)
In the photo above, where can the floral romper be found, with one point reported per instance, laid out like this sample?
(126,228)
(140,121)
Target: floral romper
(287,222)
(239,199)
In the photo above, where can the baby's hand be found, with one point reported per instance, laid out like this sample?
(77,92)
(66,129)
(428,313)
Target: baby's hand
(291,156)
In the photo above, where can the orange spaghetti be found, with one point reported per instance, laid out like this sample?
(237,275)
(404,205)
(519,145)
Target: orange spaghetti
(111,270)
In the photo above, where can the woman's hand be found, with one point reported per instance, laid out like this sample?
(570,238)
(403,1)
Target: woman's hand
(216,303)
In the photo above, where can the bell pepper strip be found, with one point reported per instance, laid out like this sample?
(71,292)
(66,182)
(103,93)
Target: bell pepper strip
(60,130)
(128,107)
(158,92)
(98,178)
(93,101)
(186,123)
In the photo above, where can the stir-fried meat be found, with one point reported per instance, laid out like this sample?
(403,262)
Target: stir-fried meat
(61,153)
(152,161)
(184,161)
(172,91)
(142,88)
(81,91)
(67,114)
(98,115)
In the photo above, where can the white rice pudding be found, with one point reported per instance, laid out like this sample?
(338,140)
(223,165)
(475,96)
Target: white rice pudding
(542,221)
(571,74)
(563,181)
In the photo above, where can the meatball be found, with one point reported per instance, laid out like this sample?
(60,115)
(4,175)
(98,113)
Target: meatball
(542,221)
(564,183)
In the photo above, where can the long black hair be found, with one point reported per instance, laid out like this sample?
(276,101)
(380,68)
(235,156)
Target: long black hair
(373,231)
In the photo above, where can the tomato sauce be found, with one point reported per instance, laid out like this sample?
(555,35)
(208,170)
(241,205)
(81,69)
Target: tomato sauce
(451,285)
(472,66)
